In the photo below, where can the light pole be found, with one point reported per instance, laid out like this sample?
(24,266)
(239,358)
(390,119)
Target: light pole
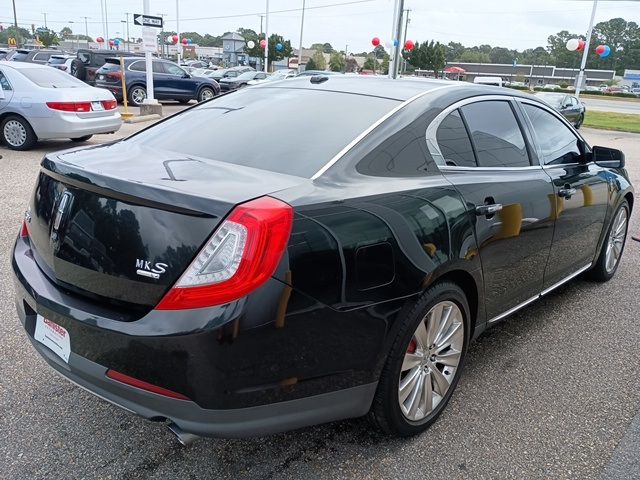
(106,23)
(86,29)
(77,39)
(585,52)
(129,38)
(266,38)
(15,22)
(404,38)
(179,44)
(124,25)
(301,30)
(45,20)
(397,30)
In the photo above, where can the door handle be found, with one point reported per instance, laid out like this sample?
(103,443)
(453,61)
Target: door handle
(488,210)
(566,192)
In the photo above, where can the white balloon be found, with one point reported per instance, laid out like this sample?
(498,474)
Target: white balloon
(387,45)
(251,44)
(573,44)
(170,39)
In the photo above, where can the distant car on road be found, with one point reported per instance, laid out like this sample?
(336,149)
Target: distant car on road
(40,56)
(229,72)
(274,77)
(89,61)
(170,81)
(234,83)
(43,103)
(495,81)
(61,62)
(568,105)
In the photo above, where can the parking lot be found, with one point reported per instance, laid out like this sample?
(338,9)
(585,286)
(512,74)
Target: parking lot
(550,393)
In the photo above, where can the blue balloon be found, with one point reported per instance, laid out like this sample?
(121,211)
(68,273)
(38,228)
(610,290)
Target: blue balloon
(279,47)
(607,51)
(396,42)
(117,41)
(189,41)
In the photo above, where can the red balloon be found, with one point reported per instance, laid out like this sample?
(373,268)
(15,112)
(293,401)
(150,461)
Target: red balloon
(375,41)
(185,41)
(581,44)
(99,39)
(112,43)
(600,49)
(175,39)
(408,45)
(263,43)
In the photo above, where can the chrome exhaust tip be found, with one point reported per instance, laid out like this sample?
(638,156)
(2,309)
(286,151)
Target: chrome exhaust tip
(183,437)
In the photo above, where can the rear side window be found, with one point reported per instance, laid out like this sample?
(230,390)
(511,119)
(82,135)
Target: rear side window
(4,83)
(454,142)
(557,142)
(138,66)
(496,135)
(41,57)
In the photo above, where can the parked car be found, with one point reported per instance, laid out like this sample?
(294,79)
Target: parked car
(274,77)
(229,72)
(4,53)
(42,103)
(310,73)
(614,90)
(39,56)
(61,62)
(568,105)
(494,81)
(170,81)
(89,61)
(635,91)
(234,83)
(185,275)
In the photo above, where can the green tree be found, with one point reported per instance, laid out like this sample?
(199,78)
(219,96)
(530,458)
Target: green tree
(351,65)
(325,47)
(427,56)
(318,61)
(473,55)
(10,32)
(48,38)
(337,62)
(311,65)
(66,32)
(558,53)
(370,64)
(453,51)
(274,39)
(502,55)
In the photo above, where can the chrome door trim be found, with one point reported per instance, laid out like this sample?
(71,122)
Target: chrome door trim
(540,295)
(488,169)
(372,127)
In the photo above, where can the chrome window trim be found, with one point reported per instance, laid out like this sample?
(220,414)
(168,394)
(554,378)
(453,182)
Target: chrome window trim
(489,169)
(373,126)
(540,295)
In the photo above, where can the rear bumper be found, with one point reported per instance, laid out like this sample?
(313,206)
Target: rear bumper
(71,125)
(115,89)
(174,361)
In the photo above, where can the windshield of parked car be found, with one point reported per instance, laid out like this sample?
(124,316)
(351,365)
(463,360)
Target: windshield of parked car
(239,128)
(48,77)
(246,76)
(555,100)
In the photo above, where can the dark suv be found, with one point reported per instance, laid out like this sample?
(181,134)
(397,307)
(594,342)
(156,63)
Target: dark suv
(170,81)
(89,61)
(40,56)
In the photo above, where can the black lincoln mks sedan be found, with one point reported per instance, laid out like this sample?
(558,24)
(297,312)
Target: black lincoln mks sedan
(249,266)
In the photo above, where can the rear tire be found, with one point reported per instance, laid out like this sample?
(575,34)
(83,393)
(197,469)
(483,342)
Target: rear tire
(421,348)
(82,139)
(205,94)
(579,122)
(613,246)
(16,133)
(137,95)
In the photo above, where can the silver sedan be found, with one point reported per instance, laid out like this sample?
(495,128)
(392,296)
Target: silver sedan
(39,102)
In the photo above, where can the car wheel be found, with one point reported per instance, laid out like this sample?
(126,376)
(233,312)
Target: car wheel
(17,133)
(425,362)
(77,69)
(82,139)
(205,94)
(613,246)
(137,95)
(579,122)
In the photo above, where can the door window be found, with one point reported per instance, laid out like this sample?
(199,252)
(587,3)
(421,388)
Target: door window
(558,144)
(496,135)
(574,102)
(41,57)
(138,66)
(157,67)
(4,83)
(174,70)
(454,141)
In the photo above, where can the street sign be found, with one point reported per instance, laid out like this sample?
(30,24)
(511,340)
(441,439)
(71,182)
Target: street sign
(147,20)
(149,40)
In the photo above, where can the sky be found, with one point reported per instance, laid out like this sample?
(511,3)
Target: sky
(516,24)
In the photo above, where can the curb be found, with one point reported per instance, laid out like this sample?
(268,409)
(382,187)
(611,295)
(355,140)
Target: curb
(143,118)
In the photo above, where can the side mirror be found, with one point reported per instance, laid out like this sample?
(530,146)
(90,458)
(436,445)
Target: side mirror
(607,157)
(186,75)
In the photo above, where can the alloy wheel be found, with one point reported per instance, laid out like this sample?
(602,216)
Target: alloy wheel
(138,95)
(615,242)
(206,94)
(15,133)
(431,360)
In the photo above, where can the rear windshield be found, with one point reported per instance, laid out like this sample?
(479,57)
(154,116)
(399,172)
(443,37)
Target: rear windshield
(57,61)
(19,56)
(51,78)
(291,131)
(110,66)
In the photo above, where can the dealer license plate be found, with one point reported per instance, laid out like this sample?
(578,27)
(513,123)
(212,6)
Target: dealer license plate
(53,336)
(97,106)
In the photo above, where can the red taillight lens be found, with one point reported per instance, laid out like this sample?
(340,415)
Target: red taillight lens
(70,106)
(24,232)
(109,104)
(241,255)
(149,387)
(114,75)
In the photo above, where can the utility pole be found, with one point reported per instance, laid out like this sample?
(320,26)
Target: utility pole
(106,24)
(105,39)
(266,38)
(585,52)
(397,30)
(15,23)
(45,20)
(404,38)
(301,30)
(179,44)
(86,28)
(129,38)
(346,48)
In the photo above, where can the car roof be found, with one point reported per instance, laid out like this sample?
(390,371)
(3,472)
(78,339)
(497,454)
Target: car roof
(401,89)
(23,65)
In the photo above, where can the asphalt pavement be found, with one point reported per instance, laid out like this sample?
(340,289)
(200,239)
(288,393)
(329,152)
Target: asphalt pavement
(552,392)
(620,105)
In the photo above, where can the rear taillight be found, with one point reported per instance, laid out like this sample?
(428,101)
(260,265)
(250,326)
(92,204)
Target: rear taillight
(70,106)
(24,231)
(242,254)
(114,75)
(149,387)
(109,104)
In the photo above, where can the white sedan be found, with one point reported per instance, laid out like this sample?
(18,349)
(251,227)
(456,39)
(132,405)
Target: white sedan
(39,102)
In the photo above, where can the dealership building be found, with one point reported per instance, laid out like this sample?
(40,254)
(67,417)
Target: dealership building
(535,75)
